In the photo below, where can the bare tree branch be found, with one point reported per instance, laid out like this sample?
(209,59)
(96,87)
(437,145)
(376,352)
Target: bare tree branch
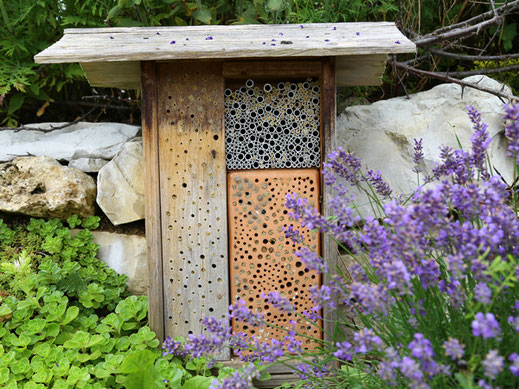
(502,95)
(466,57)
(466,29)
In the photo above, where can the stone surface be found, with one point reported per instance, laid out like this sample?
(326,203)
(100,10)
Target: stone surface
(81,140)
(120,185)
(381,134)
(41,187)
(89,165)
(126,254)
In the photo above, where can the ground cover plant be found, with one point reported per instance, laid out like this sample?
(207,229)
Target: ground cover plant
(67,321)
(434,289)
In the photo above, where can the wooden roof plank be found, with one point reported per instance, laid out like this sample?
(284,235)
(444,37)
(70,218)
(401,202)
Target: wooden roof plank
(237,41)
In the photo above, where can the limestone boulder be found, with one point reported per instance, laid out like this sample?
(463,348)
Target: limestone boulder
(120,185)
(382,134)
(42,187)
(126,254)
(81,140)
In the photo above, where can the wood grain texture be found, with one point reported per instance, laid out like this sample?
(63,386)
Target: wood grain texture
(360,70)
(153,210)
(268,70)
(220,42)
(193,195)
(328,111)
(122,75)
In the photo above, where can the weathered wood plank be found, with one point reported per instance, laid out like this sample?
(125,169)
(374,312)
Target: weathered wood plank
(193,195)
(271,69)
(245,41)
(122,75)
(328,112)
(360,70)
(153,209)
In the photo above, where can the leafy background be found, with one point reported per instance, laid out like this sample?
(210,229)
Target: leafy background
(35,93)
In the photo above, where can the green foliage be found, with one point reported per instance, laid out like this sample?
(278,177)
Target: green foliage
(66,320)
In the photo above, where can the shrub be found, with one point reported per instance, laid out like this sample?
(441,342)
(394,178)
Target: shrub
(434,289)
(67,321)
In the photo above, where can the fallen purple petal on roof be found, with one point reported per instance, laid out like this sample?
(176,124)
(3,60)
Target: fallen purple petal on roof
(111,37)
(357,33)
(301,26)
(308,36)
(172,42)
(327,40)
(187,39)
(398,42)
(335,28)
(209,38)
(158,33)
(273,44)
(280,34)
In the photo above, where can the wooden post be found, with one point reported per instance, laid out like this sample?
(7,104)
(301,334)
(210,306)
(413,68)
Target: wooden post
(153,210)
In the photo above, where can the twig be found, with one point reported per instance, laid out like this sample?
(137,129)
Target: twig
(446,78)
(505,9)
(467,57)
(465,29)
(481,71)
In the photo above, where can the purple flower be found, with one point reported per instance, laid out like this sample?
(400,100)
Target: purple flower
(381,187)
(485,325)
(292,234)
(241,378)
(514,367)
(357,33)
(273,40)
(367,341)
(280,34)
(485,385)
(327,40)
(412,370)
(398,42)
(209,38)
(344,351)
(301,26)
(172,42)
(453,348)
(512,130)
(420,347)
(480,139)
(482,293)
(514,322)
(334,29)
(187,39)
(418,155)
(278,301)
(308,36)
(322,296)
(111,37)
(311,260)
(173,347)
(240,312)
(493,364)
(158,33)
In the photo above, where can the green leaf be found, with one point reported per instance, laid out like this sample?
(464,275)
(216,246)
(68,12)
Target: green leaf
(198,382)
(5,310)
(203,15)
(265,376)
(115,11)
(71,314)
(137,361)
(4,375)
(15,102)
(275,5)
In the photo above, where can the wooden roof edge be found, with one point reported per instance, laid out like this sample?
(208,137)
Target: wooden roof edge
(116,30)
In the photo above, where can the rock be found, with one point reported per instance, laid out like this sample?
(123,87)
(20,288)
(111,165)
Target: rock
(120,185)
(89,165)
(126,254)
(41,187)
(81,140)
(381,134)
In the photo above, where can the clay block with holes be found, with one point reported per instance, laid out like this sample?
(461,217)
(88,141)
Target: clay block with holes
(261,258)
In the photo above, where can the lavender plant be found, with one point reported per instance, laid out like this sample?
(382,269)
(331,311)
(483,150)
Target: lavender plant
(434,290)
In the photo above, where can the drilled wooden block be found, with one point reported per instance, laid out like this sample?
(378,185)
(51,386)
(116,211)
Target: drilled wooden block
(193,195)
(262,259)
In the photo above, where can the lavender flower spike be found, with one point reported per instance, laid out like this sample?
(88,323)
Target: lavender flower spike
(512,130)
(418,155)
(240,379)
(485,325)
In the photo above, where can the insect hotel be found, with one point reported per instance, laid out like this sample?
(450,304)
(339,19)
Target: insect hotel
(233,119)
